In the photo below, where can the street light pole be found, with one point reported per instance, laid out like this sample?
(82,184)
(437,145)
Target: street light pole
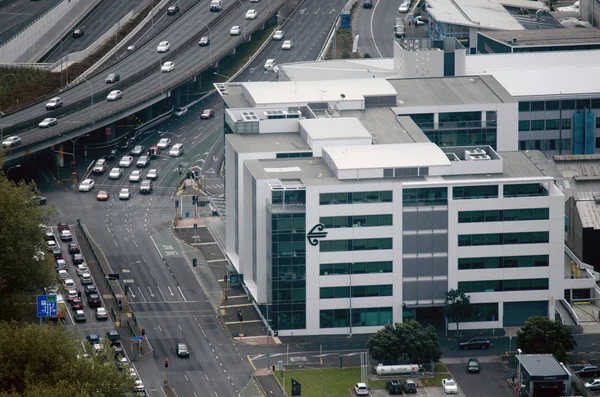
(159,65)
(209,40)
(222,75)
(519,372)
(14,166)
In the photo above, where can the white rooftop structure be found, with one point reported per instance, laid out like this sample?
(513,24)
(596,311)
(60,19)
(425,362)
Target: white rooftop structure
(334,128)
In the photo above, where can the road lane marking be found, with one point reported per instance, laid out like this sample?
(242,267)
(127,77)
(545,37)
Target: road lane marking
(372,35)
(159,253)
(171,292)
(179,326)
(180,291)
(201,329)
(161,293)
(151,293)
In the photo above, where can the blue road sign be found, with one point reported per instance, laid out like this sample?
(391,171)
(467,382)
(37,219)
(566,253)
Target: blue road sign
(46,305)
(137,338)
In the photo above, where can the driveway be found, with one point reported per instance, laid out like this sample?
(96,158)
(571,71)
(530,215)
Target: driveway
(491,381)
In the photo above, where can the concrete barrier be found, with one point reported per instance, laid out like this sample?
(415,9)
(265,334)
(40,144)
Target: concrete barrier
(39,37)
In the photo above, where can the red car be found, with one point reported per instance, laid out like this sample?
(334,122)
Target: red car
(207,114)
(62,226)
(77,304)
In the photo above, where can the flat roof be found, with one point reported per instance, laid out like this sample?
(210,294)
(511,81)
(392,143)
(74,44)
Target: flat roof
(295,168)
(581,175)
(233,96)
(267,143)
(387,156)
(266,92)
(334,128)
(542,366)
(338,69)
(489,14)
(544,37)
(541,74)
(387,127)
(440,91)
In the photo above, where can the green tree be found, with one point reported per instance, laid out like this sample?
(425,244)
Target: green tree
(46,361)
(407,342)
(21,240)
(458,306)
(540,335)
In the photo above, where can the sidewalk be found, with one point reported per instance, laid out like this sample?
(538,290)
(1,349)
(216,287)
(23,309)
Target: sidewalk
(269,384)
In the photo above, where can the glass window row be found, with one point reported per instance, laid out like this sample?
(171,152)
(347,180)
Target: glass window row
(334,222)
(503,285)
(288,222)
(463,137)
(503,262)
(425,196)
(358,291)
(525,190)
(544,125)
(480,312)
(546,144)
(330,269)
(474,192)
(466,240)
(367,317)
(365,244)
(293,155)
(521,214)
(288,197)
(565,104)
(355,197)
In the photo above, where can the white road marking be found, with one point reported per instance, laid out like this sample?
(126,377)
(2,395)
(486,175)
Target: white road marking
(142,294)
(179,326)
(151,293)
(171,292)
(372,35)
(183,296)
(201,329)
(161,293)
(159,253)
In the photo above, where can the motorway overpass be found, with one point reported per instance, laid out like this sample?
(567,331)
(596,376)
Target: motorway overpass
(142,83)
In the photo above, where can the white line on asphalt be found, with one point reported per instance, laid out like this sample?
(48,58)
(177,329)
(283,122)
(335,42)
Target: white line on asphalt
(186,378)
(195,394)
(181,292)
(141,293)
(116,243)
(151,293)
(372,36)
(201,329)
(135,243)
(179,326)
(159,253)
(206,376)
(159,290)
(171,292)
(159,328)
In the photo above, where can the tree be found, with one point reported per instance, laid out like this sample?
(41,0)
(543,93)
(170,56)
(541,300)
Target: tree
(47,361)
(407,342)
(458,306)
(21,240)
(540,335)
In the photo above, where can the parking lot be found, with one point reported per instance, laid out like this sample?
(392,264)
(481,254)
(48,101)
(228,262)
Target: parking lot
(491,381)
(431,391)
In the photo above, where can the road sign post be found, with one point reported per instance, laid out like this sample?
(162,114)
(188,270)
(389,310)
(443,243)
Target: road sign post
(296,388)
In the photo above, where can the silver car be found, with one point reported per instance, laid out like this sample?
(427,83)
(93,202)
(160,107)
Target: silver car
(48,122)
(114,95)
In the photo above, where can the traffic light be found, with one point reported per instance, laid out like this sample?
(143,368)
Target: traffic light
(166,363)
(194,200)
(120,305)
(72,165)
(143,332)
(151,151)
(195,262)
(52,148)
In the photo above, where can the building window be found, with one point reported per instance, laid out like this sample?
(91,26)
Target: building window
(524,106)
(355,198)
(474,192)
(423,120)
(481,312)
(553,124)
(567,104)
(467,240)
(503,262)
(525,190)
(537,125)
(293,155)
(597,122)
(330,269)
(582,104)
(334,292)
(537,106)
(552,105)
(425,196)
(333,222)
(523,214)
(566,143)
(365,244)
(503,285)
(367,317)
(566,124)
(358,291)
(524,125)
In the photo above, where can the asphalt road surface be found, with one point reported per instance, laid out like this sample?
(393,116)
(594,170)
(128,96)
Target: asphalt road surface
(15,15)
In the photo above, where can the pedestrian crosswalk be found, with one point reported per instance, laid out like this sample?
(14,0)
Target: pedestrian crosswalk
(218,202)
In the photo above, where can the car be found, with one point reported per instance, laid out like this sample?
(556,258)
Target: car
(143,162)
(287,45)
(449,386)
(393,387)
(235,31)
(48,122)
(124,194)
(49,234)
(63,274)
(593,385)
(586,370)
(207,114)
(118,349)
(82,268)
(409,386)
(113,78)
(167,67)
(176,150)
(164,143)
(54,103)
(61,264)
(66,235)
(126,161)
(254,1)
(94,300)
(420,20)
(398,22)
(79,316)
(86,185)
(41,200)
(69,284)
(101,314)
(115,173)
(182,350)
(51,244)
(62,226)
(180,111)
(135,176)
(114,95)
(71,295)
(77,304)
(57,252)
(102,195)
(137,150)
(204,41)
(100,166)
(172,10)
(11,141)
(90,289)
(270,64)
(78,259)
(251,14)
(403,8)
(86,279)
(154,151)
(278,35)
(77,33)
(97,347)
(138,386)
(114,153)
(126,143)
(74,248)
(475,343)
(114,337)
(146,187)
(133,373)
(93,339)
(163,46)
(361,389)
(152,174)
(368,4)
(473,365)
(121,362)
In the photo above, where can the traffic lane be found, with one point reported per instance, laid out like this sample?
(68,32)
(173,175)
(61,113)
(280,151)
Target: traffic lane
(491,381)
(18,14)
(377,26)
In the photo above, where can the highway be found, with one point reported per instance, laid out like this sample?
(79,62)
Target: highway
(376,28)
(17,14)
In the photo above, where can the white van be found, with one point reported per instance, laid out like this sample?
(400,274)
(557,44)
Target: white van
(216,5)
(176,150)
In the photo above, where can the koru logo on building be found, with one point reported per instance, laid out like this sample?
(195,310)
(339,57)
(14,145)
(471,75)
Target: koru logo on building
(315,234)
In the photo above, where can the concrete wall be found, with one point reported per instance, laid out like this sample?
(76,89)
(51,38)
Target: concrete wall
(31,44)
(590,11)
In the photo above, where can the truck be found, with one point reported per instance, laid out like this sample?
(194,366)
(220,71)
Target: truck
(406,369)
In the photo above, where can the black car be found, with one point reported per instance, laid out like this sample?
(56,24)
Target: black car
(93,338)
(127,144)
(172,10)
(113,154)
(475,343)
(473,366)
(74,249)
(113,78)
(114,337)
(90,289)
(78,33)
(409,386)
(78,259)
(367,3)
(393,387)
(118,349)
(57,252)
(94,300)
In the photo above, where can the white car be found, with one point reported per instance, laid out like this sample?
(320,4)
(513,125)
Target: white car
(81,269)
(449,386)
(54,103)
(69,284)
(361,389)
(419,20)
(167,66)
(65,235)
(287,45)
(51,244)
(48,122)
(278,35)
(138,385)
(180,111)
(133,373)
(254,1)
(164,143)
(251,14)
(86,185)
(163,46)
(101,314)
(115,173)
(63,274)
(403,8)
(270,64)
(114,95)
(595,384)
(152,174)
(124,194)
(135,176)
(126,161)
(11,141)
(235,31)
